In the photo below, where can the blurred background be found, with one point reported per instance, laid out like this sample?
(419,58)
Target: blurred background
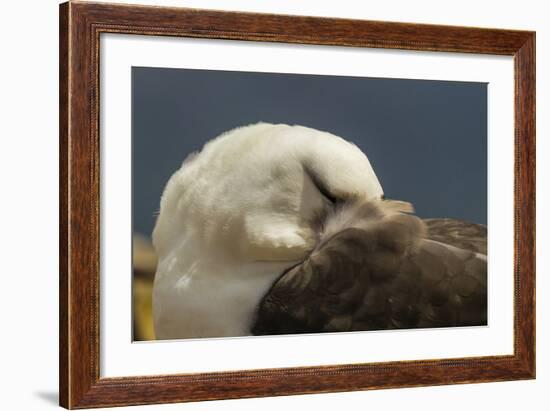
(426,140)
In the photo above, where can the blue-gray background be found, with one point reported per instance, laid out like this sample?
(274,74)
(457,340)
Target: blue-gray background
(426,140)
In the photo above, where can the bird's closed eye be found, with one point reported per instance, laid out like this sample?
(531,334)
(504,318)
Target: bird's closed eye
(333,200)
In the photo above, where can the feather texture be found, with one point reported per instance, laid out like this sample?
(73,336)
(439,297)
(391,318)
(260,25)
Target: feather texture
(377,268)
(461,234)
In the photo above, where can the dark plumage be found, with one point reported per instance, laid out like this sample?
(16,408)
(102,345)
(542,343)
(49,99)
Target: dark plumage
(461,234)
(382,269)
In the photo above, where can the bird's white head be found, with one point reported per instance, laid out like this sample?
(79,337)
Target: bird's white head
(240,212)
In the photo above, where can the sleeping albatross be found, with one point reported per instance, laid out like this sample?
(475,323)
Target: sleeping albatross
(275,229)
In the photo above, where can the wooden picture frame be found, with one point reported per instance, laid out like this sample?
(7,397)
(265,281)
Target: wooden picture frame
(80,27)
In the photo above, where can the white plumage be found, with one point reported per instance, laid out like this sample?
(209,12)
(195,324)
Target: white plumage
(237,215)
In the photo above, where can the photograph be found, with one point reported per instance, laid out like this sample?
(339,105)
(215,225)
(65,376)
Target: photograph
(254,203)
(275,205)
(287,203)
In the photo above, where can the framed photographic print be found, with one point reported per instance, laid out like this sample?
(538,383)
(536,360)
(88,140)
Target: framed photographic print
(258,205)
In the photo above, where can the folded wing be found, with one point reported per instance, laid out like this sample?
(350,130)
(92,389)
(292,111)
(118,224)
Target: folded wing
(381,270)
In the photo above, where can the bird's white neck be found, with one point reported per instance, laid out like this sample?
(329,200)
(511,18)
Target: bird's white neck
(213,297)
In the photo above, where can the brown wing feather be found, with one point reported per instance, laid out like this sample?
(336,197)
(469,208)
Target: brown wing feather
(461,234)
(382,275)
